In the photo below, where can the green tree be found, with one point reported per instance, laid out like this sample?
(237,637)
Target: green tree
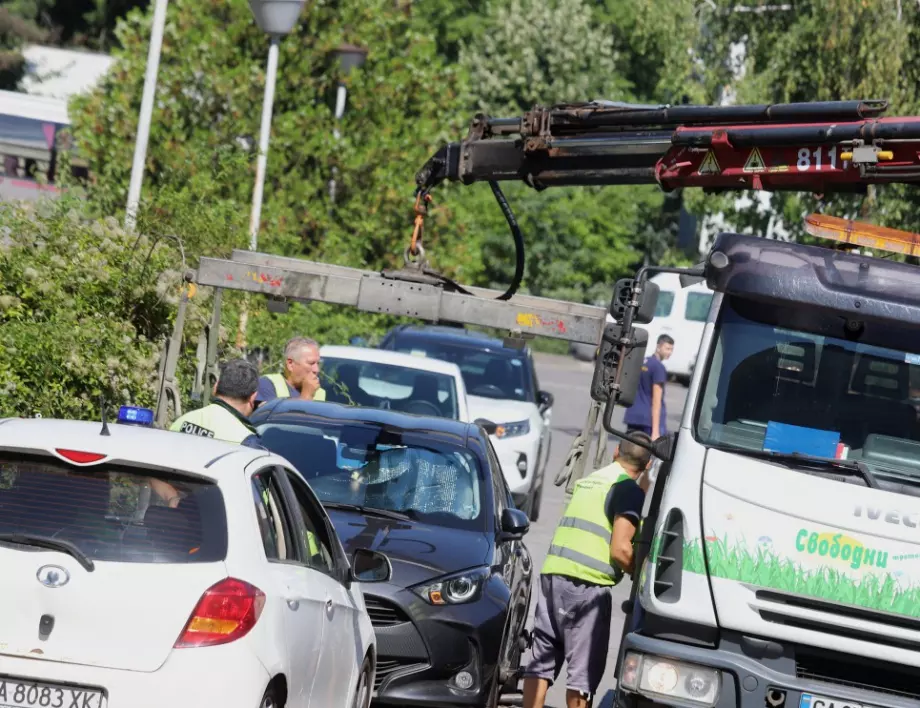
(817,51)
(539,52)
(15,31)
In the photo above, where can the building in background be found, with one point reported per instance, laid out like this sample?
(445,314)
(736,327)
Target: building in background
(32,119)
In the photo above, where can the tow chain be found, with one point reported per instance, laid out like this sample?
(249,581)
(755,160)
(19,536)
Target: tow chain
(415,249)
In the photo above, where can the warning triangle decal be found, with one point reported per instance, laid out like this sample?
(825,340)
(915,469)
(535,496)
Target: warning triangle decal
(709,166)
(755,162)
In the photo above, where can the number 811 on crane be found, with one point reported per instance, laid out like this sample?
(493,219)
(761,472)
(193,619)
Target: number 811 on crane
(722,164)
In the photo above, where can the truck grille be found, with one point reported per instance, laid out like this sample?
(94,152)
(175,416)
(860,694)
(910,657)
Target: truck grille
(384,613)
(877,627)
(857,672)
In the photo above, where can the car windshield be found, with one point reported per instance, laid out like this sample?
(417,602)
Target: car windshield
(374,385)
(366,465)
(113,513)
(801,380)
(490,373)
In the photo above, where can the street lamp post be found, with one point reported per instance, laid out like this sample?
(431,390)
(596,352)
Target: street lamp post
(143,122)
(276,18)
(350,56)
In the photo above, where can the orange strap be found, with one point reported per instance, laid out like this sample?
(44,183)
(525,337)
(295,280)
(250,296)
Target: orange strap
(421,211)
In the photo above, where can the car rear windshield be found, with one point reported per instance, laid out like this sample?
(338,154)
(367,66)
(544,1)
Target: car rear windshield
(490,373)
(366,465)
(375,385)
(113,513)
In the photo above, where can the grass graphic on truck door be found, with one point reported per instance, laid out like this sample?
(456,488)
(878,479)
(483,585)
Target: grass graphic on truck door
(764,568)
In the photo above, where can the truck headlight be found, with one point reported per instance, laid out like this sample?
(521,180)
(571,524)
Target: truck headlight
(453,589)
(512,430)
(657,677)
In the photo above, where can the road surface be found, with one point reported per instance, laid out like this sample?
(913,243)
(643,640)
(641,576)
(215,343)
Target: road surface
(568,380)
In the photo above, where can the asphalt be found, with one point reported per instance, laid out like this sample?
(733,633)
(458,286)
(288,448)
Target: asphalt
(568,380)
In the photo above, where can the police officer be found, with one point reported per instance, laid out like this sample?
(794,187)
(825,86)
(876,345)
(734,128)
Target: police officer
(590,551)
(301,374)
(226,418)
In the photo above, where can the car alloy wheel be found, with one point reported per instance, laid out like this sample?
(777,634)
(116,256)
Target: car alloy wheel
(269,700)
(363,689)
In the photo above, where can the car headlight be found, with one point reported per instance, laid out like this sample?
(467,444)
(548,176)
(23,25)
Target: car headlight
(657,677)
(453,589)
(512,430)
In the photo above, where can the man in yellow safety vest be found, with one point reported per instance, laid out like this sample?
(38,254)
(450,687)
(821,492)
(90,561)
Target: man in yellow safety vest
(591,550)
(301,374)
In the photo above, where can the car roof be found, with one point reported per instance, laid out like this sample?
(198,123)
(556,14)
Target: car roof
(336,411)
(455,335)
(383,356)
(129,444)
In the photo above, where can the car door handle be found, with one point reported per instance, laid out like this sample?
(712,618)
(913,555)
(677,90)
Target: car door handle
(329,607)
(292,603)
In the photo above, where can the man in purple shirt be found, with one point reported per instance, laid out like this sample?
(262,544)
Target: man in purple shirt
(648,413)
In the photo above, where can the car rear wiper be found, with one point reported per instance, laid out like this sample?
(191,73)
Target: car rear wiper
(54,544)
(852,467)
(369,511)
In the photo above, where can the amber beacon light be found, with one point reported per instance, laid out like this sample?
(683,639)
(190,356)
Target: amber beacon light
(857,233)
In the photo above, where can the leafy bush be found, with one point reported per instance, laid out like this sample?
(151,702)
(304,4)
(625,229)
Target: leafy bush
(82,304)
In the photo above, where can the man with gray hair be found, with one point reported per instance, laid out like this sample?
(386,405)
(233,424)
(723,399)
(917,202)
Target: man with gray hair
(301,374)
(227,417)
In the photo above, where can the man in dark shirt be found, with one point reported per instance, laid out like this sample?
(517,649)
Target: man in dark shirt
(648,413)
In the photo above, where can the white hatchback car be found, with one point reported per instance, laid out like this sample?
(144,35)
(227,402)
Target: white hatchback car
(375,378)
(147,568)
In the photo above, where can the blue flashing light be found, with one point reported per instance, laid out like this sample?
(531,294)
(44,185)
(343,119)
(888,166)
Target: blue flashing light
(132,415)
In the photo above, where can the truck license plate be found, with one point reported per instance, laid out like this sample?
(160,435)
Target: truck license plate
(810,700)
(21,693)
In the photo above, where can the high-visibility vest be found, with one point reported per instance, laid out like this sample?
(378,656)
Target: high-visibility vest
(282,390)
(213,421)
(581,544)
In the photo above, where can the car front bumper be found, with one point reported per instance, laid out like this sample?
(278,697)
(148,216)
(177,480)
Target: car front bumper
(421,648)
(230,676)
(525,450)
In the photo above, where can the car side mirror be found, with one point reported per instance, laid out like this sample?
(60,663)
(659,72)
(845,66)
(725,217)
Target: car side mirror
(545,400)
(486,425)
(369,566)
(515,524)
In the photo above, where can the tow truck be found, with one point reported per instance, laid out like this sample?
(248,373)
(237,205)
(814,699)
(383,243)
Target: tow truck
(777,562)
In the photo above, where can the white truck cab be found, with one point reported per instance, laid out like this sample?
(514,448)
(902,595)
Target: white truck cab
(783,561)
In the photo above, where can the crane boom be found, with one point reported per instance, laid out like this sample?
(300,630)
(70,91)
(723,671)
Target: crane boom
(816,147)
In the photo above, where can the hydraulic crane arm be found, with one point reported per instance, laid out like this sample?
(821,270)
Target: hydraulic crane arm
(815,147)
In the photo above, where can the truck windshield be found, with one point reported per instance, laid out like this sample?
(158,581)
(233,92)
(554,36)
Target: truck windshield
(806,381)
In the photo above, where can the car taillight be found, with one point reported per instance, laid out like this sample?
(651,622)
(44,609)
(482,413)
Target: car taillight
(225,612)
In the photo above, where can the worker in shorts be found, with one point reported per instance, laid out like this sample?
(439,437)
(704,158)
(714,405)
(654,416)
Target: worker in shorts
(591,551)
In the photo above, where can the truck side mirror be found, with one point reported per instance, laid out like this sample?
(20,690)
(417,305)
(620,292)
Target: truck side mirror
(622,294)
(608,363)
(694,275)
